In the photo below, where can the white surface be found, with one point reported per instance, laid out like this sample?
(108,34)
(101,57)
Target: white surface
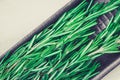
(113,75)
(19,17)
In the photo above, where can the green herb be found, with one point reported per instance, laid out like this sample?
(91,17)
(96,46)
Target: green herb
(64,51)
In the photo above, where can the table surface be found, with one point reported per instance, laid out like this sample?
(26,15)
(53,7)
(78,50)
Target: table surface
(20,17)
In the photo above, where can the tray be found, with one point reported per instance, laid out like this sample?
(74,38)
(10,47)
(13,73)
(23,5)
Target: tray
(108,61)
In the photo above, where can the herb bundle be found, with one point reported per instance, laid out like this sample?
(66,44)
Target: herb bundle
(64,51)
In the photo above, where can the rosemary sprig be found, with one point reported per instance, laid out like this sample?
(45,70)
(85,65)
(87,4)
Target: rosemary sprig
(63,51)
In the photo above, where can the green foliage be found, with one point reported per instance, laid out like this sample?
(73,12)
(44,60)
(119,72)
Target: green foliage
(64,51)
